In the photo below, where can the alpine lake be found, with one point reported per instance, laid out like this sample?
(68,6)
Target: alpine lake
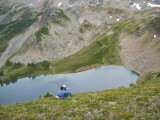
(96,79)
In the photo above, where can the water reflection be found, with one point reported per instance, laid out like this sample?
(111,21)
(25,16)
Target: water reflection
(96,79)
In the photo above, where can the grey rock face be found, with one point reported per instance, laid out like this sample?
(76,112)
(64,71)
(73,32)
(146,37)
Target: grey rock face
(65,37)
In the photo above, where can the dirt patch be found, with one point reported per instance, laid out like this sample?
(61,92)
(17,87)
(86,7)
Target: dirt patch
(87,67)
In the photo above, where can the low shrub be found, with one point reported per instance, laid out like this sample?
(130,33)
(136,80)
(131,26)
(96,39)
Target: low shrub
(47,95)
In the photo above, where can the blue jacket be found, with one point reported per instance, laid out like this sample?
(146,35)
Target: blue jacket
(64,93)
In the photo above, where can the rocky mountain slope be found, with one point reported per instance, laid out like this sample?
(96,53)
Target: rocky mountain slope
(60,28)
(67,33)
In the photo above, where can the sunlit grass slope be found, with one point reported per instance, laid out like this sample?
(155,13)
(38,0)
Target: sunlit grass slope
(104,50)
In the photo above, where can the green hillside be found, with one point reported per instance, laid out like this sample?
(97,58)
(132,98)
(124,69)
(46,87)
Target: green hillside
(104,50)
(141,101)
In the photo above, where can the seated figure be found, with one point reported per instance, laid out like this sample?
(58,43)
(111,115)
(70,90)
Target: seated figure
(64,92)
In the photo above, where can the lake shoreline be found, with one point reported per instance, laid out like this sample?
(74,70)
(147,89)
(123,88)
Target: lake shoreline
(95,79)
(80,69)
(83,68)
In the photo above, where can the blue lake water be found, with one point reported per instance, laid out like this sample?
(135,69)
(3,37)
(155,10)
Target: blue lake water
(96,79)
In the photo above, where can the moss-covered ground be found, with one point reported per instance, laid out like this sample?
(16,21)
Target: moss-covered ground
(141,101)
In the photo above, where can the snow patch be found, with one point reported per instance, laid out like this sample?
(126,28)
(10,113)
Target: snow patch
(155,36)
(110,17)
(60,4)
(137,6)
(31,4)
(153,5)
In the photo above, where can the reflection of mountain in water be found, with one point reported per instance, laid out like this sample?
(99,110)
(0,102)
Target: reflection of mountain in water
(96,79)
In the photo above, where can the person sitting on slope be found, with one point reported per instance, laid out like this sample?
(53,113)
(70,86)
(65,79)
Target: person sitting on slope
(64,92)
